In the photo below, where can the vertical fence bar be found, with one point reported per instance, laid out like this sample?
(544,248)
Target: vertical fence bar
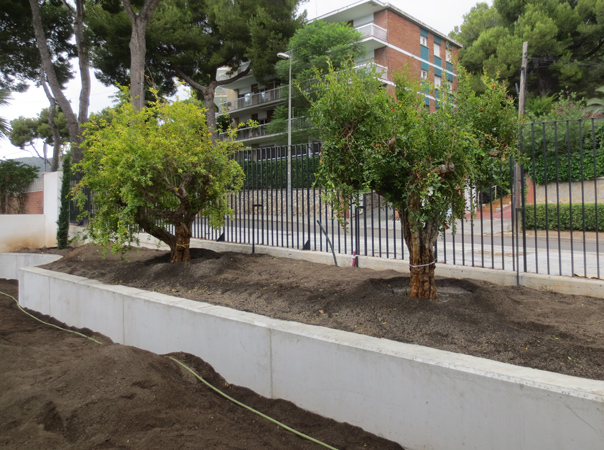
(593,133)
(545,185)
(570,196)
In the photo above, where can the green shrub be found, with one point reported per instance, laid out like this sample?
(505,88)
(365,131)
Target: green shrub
(563,212)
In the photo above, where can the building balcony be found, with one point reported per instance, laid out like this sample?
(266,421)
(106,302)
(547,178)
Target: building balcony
(253,100)
(261,133)
(374,36)
(381,71)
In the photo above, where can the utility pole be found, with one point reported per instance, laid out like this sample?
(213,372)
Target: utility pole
(521,96)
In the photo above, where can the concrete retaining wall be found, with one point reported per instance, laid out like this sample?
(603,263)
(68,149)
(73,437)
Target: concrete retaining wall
(417,396)
(10,263)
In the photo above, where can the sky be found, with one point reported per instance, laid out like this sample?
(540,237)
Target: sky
(442,15)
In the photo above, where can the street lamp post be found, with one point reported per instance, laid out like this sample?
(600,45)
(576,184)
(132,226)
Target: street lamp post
(289,138)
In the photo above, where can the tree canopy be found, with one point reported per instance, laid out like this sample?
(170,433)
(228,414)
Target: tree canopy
(315,47)
(155,170)
(19,55)
(419,161)
(566,43)
(50,127)
(14,179)
(192,39)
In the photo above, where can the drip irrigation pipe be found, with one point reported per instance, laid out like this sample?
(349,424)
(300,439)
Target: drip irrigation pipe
(49,324)
(218,391)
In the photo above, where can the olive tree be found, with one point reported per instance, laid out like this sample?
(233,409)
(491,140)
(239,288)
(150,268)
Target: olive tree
(387,141)
(155,170)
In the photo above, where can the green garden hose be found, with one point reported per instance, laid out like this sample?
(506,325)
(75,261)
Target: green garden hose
(282,425)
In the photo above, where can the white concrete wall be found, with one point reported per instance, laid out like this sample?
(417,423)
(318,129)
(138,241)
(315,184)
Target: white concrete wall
(420,397)
(21,230)
(10,263)
(52,205)
(33,230)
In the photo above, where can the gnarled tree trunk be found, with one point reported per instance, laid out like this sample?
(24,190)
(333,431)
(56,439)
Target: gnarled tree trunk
(181,250)
(420,239)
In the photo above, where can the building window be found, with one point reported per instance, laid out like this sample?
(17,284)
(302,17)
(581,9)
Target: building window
(448,55)
(437,81)
(437,50)
(424,74)
(423,40)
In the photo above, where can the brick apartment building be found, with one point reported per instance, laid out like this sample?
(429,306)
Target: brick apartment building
(392,40)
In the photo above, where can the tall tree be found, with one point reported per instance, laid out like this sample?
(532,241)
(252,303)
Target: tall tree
(417,160)
(566,43)
(192,39)
(138,48)
(50,75)
(19,55)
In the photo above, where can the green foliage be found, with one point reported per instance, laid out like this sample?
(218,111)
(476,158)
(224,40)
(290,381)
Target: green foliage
(596,105)
(14,179)
(564,43)
(25,131)
(563,213)
(395,146)
(194,37)
(151,168)
(19,56)
(270,174)
(63,222)
(315,47)
(566,143)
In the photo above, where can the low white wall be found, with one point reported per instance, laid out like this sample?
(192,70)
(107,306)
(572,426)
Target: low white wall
(22,230)
(34,230)
(10,263)
(417,396)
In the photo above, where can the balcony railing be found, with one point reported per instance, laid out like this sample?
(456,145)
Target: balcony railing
(381,71)
(373,30)
(262,130)
(252,100)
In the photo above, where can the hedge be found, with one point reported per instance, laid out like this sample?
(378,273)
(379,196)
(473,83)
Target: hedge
(272,174)
(563,212)
(562,161)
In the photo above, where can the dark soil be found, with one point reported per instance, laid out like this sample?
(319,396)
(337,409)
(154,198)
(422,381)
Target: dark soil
(62,391)
(544,330)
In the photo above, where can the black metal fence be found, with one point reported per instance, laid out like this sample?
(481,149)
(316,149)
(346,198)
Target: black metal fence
(553,230)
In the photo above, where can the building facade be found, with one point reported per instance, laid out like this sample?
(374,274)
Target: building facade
(392,40)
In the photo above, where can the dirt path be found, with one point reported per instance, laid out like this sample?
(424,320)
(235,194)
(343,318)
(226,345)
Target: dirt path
(61,391)
(517,325)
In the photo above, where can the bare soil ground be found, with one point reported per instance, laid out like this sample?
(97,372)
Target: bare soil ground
(62,391)
(516,325)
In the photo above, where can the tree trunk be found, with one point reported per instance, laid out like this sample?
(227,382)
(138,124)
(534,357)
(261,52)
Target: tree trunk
(84,62)
(55,86)
(138,49)
(420,239)
(208,96)
(181,251)
(421,266)
(56,135)
(56,140)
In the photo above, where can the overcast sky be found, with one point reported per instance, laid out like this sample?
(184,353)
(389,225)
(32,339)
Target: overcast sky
(441,15)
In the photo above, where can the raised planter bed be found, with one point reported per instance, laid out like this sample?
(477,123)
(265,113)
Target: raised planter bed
(417,396)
